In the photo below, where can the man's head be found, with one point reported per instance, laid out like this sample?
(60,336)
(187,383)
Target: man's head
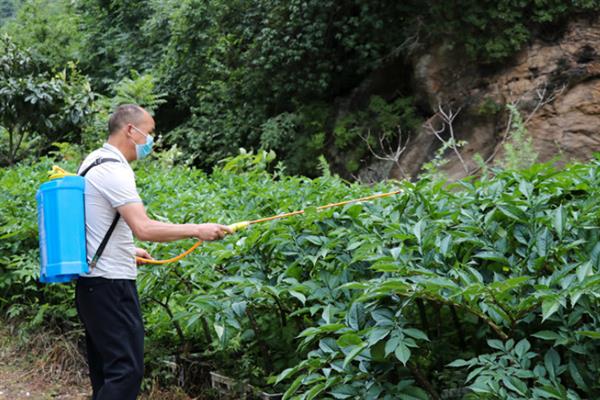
(129,129)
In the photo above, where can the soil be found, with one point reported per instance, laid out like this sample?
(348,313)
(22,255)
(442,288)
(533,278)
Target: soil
(35,374)
(20,379)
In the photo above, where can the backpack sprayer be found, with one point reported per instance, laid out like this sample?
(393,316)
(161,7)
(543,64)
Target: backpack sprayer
(61,222)
(61,225)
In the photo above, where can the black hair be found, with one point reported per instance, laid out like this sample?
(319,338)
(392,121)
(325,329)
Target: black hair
(124,114)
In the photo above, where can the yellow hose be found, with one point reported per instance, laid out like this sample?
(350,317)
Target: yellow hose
(244,224)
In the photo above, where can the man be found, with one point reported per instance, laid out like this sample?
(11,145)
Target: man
(106,297)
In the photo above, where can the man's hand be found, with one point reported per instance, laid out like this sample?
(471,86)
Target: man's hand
(142,254)
(211,231)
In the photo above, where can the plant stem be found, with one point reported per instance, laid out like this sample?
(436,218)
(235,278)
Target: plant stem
(497,330)
(263,347)
(175,324)
(459,328)
(423,316)
(423,381)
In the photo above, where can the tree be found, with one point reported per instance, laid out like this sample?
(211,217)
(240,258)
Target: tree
(35,107)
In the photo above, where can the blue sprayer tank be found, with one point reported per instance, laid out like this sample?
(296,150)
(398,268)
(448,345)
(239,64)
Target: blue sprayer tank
(61,222)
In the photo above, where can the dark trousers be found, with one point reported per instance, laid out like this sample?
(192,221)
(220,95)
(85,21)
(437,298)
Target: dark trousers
(114,332)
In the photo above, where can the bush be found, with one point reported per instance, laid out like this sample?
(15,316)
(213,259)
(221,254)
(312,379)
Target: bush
(488,284)
(36,107)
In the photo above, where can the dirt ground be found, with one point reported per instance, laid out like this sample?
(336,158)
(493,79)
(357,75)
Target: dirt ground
(17,382)
(21,379)
(50,371)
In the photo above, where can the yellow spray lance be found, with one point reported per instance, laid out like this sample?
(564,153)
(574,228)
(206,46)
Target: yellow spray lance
(244,224)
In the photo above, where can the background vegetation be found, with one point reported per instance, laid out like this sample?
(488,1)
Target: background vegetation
(266,73)
(488,284)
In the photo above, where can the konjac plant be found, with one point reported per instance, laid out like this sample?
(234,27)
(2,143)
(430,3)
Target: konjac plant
(486,288)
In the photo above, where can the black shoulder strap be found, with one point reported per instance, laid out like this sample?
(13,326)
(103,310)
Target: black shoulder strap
(96,162)
(113,225)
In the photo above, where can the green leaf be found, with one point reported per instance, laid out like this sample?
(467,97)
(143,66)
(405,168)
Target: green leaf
(328,345)
(298,295)
(543,242)
(548,392)
(220,330)
(293,387)
(482,384)
(413,393)
(590,334)
(356,316)
(552,362)
(549,307)
(526,188)
(418,230)
(239,308)
(285,374)
(349,339)
(328,314)
(559,220)
(445,244)
(522,348)
(495,344)
(316,240)
(311,212)
(354,245)
(513,212)
(344,391)
(321,329)
(352,355)
(515,384)
(576,375)
(395,252)
(492,256)
(391,344)
(546,335)
(415,333)
(402,353)
(383,316)
(377,334)
(459,363)
(315,390)
(584,270)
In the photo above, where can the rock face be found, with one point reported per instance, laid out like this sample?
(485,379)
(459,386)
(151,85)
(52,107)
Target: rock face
(555,86)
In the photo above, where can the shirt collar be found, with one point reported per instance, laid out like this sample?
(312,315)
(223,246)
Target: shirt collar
(117,152)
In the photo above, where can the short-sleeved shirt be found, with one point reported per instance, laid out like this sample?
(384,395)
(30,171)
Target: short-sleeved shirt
(108,186)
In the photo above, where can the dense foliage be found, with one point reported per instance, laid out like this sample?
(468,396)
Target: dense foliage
(484,289)
(489,284)
(267,73)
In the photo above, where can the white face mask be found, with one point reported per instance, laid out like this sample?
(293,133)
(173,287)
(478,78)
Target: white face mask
(143,150)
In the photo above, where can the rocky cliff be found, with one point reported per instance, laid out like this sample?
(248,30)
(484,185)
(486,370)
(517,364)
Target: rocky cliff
(554,84)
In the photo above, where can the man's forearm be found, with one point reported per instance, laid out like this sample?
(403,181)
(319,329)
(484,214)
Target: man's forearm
(156,231)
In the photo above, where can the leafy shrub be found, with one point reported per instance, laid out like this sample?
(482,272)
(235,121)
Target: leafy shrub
(137,89)
(22,297)
(37,105)
(490,31)
(383,126)
(518,149)
(49,29)
(229,69)
(490,284)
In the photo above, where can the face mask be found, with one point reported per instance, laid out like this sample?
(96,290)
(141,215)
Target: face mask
(142,150)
